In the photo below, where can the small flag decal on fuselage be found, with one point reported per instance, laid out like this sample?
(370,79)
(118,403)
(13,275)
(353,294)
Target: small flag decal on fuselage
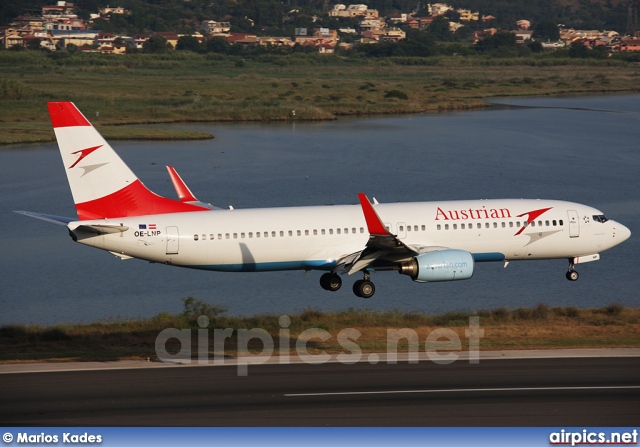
(146,230)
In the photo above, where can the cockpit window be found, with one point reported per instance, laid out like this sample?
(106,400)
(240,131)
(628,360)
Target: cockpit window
(600,218)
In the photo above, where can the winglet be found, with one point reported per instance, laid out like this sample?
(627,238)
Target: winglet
(183,191)
(374,224)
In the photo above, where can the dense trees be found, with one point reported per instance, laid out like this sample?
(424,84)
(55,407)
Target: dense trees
(547,30)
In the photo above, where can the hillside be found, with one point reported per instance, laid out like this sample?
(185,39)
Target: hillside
(164,15)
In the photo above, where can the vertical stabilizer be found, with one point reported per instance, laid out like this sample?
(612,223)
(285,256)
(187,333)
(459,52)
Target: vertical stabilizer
(101,183)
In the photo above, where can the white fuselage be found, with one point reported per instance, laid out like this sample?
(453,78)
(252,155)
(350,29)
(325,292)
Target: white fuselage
(316,237)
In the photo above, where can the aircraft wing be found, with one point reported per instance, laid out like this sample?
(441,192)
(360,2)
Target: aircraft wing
(381,245)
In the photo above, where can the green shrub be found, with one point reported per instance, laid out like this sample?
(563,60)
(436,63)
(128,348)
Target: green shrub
(396,94)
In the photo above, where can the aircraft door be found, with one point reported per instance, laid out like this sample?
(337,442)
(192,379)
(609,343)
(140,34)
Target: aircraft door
(574,223)
(173,240)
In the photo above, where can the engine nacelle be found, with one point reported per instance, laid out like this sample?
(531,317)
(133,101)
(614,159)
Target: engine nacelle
(442,265)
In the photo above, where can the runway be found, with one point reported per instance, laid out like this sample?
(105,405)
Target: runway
(579,391)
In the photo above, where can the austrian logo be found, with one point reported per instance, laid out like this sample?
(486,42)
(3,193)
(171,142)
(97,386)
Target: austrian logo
(488,213)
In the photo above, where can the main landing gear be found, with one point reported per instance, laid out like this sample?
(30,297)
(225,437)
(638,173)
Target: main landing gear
(330,282)
(363,288)
(572,275)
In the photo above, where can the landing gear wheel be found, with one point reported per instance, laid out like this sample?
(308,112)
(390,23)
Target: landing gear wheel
(572,275)
(330,281)
(364,288)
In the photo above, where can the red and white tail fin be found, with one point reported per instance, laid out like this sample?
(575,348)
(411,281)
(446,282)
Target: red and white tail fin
(101,183)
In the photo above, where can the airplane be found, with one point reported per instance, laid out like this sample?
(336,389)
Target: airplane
(427,241)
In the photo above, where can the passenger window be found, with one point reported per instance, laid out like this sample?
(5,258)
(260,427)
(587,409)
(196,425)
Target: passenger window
(510,224)
(546,222)
(554,223)
(204,237)
(250,235)
(306,232)
(504,225)
(242,235)
(330,230)
(322,232)
(462,227)
(446,226)
(227,235)
(560,222)
(539,223)
(455,226)
(408,227)
(281,233)
(195,237)
(211,237)
(219,236)
(315,232)
(401,228)
(338,231)
(533,223)
(235,235)
(495,225)
(438,227)
(346,231)
(486,225)
(361,230)
(518,224)
(415,228)
(290,232)
(257,234)
(424,228)
(479,226)
(299,233)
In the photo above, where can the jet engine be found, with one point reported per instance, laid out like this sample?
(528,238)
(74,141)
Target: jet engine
(442,265)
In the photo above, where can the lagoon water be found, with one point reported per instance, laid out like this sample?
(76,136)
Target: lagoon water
(582,149)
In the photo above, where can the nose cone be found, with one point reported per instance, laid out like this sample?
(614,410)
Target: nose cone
(621,232)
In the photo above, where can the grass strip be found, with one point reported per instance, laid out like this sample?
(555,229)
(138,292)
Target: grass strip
(145,89)
(541,327)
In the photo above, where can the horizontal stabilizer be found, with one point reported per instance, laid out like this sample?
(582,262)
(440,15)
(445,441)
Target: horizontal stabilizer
(102,229)
(58,220)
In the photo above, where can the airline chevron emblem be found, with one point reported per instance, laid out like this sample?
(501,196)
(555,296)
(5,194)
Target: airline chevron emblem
(83,154)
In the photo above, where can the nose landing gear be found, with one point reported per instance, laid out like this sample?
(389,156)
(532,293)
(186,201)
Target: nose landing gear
(572,275)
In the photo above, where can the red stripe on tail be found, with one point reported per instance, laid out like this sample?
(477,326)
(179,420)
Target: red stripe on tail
(65,114)
(133,200)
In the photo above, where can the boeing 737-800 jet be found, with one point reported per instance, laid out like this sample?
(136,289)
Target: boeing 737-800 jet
(428,241)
